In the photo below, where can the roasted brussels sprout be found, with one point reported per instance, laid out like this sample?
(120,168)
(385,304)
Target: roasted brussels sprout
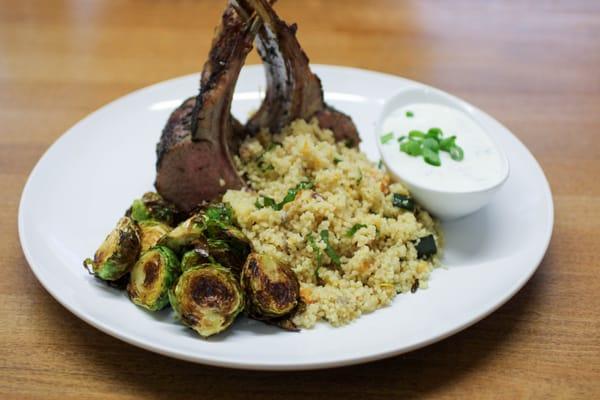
(151,278)
(218,215)
(225,242)
(185,234)
(117,254)
(212,231)
(207,298)
(195,257)
(272,289)
(153,206)
(150,233)
(229,247)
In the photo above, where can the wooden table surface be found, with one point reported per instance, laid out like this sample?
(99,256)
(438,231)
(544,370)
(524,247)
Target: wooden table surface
(535,66)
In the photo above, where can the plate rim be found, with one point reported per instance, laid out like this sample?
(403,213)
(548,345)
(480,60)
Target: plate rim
(222,362)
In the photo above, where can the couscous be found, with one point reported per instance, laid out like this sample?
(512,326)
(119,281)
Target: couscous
(352,247)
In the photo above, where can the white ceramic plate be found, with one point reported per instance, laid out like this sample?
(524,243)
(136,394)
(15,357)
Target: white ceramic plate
(87,179)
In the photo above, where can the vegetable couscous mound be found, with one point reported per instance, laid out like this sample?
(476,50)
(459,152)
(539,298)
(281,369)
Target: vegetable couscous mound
(354,239)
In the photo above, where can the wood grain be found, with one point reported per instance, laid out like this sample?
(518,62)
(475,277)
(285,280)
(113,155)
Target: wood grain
(533,65)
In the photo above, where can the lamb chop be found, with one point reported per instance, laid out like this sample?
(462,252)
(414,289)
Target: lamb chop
(293,90)
(194,154)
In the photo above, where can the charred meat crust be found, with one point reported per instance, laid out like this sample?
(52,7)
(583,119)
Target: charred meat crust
(194,155)
(177,129)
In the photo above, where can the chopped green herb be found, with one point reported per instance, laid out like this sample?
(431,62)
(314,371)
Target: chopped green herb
(402,201)
(354,229)
(387,137)
(401,138)
(266,202)
(289,197)
(328,249)
(426,247)
(457,153)
(431,157)
(317,251)
(411,147)
(336,160)
(264,166)
(410,114)
(291,194)
(360,176)
(305,185)
(380,164)
(416,135)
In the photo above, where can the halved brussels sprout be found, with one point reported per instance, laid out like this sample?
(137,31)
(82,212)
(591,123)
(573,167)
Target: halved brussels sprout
(151,278)
(272,289)
(229,247)
(211,230)
(218,215)
(185,234)
(195,257)
(117,254)
(151,232)
(207,298)
(153,206)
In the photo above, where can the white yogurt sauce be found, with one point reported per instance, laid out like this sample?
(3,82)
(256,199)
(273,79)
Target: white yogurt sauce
(482,166)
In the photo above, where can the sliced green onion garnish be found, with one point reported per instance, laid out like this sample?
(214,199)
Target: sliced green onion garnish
(447,143)
(410,114)
(431,157)
(416,134)
(411,147)
(457,153)
(435,133)
(431,144)
(387,137)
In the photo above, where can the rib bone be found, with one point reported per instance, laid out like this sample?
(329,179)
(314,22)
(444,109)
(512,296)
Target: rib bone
(293,90)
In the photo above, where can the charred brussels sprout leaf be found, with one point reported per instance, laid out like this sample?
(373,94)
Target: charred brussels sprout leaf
(207,299)
(271,288)
(117,253)
(153,206)
(151,278)
(195,257)
(185,234)
(229,247)
(151,232)
(212,230)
